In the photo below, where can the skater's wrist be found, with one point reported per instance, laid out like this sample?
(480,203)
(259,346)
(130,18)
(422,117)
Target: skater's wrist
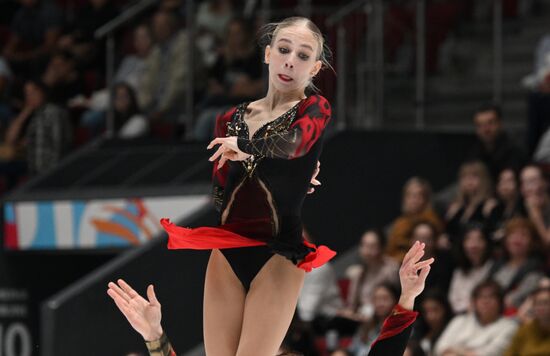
(153,335)
(407,302)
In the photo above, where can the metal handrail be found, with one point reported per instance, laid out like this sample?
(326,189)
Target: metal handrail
(123,18)
(108,30)
(344,11)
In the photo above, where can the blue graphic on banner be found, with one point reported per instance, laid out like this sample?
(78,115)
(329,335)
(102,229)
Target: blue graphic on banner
(78,211)
(45,230)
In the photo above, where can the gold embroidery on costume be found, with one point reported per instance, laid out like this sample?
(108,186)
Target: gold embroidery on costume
(279,126)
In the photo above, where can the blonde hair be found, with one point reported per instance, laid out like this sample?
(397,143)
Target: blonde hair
(424,186)
(268,33)
(478,169)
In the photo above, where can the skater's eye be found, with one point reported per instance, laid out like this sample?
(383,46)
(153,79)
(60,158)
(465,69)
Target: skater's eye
(303,56)
(284,50)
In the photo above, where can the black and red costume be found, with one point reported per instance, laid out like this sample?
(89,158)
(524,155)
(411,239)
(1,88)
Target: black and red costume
(260,199)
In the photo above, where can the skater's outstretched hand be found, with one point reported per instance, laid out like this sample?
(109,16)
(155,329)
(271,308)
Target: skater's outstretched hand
(412,275)
(144,315)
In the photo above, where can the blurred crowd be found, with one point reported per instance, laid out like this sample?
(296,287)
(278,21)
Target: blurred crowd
(53,94)
(488,292)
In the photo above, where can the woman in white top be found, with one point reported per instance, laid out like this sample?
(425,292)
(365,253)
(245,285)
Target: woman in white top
(474,264)
(482,332)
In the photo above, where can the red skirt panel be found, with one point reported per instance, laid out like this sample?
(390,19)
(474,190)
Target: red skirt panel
(207,238)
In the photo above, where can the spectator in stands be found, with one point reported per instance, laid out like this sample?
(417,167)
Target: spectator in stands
(384,297)
(129,121)
(341,352)
(435,314)
(34,31)
(161,94)
(375,268)
(483,331)
(493,145)
(416,205)
(6,78)
(320,300)
(509,201)
(520,270)
(236,76)
(473,265)
(214,16)
(62,78)
(130,72)
(78,38)
(538,103)
(474,201)
(533,338)
(442,268)
(40,133)
(534,190)
(526,312)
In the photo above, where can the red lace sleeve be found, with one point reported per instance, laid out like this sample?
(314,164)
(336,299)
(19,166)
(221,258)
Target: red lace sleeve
(312,118)
(219,175)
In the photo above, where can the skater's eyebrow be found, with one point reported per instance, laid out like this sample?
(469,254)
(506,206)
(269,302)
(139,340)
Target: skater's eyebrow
(289,41)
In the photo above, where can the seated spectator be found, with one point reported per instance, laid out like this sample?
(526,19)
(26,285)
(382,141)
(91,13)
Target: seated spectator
(375,268)
(474,201)
(534,190)
(214,15)
(62,78)
(509,201)
(37,138)
(132,66)
(162,92)
(6,78)
(474,263)
(416,205)
(483,331)
(442,268)
(533,338)
(341,352)
(129,122)
(435,313)
(526,312)
(538,103)
(493,146)
(78,38)
(130,72)
(520,270)
(236,76)
(320,300)
(384,297)
(35,29)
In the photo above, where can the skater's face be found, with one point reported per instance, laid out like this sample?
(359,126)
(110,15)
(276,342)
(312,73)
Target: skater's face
(293,58)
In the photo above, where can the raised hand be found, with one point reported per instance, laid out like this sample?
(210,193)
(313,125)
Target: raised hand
(413,282)
(142,314)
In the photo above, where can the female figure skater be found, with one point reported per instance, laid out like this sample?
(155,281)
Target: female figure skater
(144,315)
(267,152)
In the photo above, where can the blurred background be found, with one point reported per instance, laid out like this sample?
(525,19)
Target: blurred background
(439,133)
